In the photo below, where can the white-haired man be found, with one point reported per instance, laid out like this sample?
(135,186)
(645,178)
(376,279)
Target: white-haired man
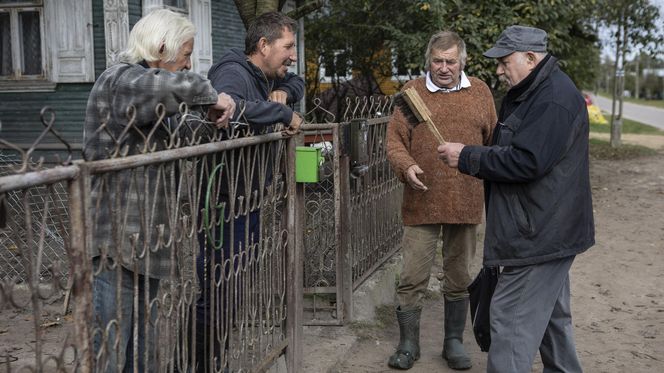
(130,248)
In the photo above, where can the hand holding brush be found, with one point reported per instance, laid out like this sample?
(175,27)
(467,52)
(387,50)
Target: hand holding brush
(413,108)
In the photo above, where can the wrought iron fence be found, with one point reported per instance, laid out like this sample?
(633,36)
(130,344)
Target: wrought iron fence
(353,214)
(217,223)
(180,244)
(53,223)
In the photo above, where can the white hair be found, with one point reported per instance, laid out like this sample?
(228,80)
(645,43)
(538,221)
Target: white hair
(159,29)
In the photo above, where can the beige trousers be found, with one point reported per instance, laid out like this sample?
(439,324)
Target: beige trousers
(419,251)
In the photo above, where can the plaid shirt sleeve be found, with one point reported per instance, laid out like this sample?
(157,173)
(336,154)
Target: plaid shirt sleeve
(135,213)
(126,91)
(146,88)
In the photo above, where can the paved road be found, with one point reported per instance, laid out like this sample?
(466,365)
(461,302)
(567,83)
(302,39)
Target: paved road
(645,114)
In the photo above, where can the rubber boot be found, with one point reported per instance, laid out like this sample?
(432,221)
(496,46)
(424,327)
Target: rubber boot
(409,341)
(455,322)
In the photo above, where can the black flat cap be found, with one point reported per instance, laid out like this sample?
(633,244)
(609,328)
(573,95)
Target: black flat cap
(518,39)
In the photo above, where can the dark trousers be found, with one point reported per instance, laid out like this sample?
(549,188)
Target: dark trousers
(530,311)
(217,258)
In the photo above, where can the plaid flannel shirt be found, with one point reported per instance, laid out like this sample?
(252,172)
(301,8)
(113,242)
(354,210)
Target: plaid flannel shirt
(132,211)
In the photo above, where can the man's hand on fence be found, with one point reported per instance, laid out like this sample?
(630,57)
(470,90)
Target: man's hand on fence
(294,126)
(222,111)
(413,181)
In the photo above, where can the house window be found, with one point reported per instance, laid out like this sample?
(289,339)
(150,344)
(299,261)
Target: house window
(179,4)
(21,35)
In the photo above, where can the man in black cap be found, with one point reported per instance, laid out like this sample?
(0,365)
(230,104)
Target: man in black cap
(538,203)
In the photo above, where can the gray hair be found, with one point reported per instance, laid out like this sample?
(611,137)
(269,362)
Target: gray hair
(269,26)
(444,40)
(159,29)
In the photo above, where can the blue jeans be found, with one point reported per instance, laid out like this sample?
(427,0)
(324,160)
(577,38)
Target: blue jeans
(118,346)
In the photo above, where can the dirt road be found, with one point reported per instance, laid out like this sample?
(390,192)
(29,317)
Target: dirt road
(617,286)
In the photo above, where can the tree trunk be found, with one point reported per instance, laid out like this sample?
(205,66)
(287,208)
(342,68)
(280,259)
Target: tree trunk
(618,133)
(636,78)
(616,120)
(247,11)
(264,6)
(250,9)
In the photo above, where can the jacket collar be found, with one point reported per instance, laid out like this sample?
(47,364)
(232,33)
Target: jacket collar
(541,72)
(464,82)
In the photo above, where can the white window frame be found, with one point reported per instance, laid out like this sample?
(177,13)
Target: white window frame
(67,47)
(327,79)
(17,45)
(185,9)
(401,77)
(200,14)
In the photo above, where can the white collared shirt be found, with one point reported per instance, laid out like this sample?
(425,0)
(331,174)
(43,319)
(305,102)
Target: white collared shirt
(463,83)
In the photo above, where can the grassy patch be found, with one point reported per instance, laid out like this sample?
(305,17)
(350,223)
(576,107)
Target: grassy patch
(629,126)
(600,149)
(640,101)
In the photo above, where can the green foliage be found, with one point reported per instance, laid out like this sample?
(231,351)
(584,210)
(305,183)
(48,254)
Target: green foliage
(568,23)
(353,35)
(361,39)
(641,20)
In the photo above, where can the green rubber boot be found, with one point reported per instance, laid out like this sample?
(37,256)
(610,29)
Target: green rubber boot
(409,341)
(455,322)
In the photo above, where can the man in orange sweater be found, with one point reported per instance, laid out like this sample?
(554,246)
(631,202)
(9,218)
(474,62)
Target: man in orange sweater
(436,198)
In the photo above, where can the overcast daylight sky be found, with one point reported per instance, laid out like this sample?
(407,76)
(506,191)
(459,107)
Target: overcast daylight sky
(608,48)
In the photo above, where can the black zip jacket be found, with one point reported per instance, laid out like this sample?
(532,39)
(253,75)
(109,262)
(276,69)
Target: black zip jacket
(536,173)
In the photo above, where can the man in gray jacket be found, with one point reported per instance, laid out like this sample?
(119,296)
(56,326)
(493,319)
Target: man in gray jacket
(538,203)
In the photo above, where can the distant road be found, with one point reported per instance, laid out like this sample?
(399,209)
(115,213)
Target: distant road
(645,114)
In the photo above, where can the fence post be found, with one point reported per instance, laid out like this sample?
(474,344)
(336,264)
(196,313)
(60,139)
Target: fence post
(342,208)
(295,270)
(80,268)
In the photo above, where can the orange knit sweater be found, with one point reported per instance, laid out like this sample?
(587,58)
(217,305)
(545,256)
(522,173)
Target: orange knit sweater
(466,116)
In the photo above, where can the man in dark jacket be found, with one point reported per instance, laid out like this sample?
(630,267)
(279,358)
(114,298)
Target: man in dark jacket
(538,203)
(258,78)
(259,82)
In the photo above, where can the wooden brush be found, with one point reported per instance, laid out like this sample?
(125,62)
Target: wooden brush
(415,111)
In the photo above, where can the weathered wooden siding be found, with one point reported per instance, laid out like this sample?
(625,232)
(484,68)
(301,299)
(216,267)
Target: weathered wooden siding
(135,11)
(227,28)
(19,112)
(98,32)
(20,117)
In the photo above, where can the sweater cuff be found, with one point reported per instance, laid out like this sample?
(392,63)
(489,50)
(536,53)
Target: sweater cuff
(469,159)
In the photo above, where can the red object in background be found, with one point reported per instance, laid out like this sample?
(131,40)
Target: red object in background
(589,101)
